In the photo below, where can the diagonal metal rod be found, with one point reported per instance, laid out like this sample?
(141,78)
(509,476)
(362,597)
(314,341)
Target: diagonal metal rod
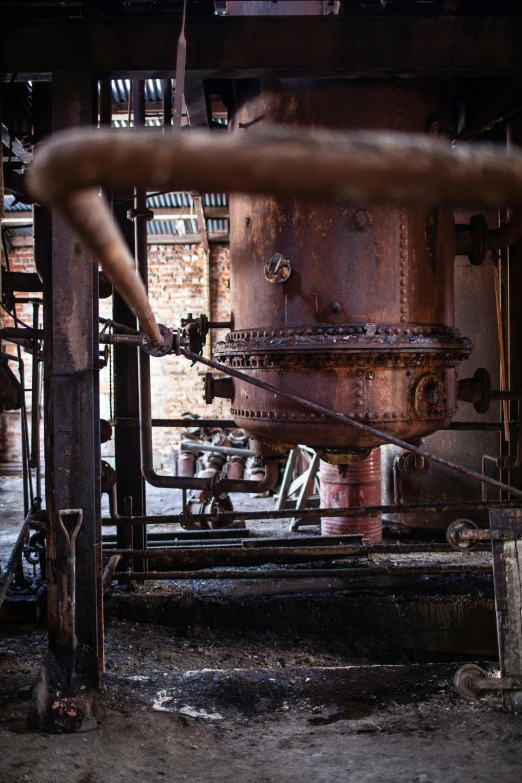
(314,406)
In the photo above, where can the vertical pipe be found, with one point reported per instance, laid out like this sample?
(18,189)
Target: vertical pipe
(515,314)
(167,104)
(140,240)
(35,408)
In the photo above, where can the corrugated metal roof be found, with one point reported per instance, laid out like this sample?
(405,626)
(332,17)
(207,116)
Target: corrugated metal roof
(10,206)
(121,90)
(180,201)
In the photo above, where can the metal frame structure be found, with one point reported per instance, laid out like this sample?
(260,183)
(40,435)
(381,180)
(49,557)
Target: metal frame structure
(217,52)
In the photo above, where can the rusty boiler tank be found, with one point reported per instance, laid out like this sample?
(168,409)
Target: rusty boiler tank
(348,305)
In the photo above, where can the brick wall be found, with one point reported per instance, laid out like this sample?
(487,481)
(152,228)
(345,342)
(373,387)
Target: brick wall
(176,287)
(20,260)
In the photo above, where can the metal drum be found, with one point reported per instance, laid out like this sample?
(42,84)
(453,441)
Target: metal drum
(347,305)
(360,486)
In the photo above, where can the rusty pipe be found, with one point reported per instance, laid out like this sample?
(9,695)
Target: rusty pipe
(227,451)
(14,558)
(217,484)
(506,235)
(362,166)
(494,239)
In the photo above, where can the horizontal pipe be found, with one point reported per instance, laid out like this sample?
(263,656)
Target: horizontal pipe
(363,550)
(9,333)
(227,451)
(312,573)
(31,334)
(360,166)
(180,423)
(480,426)
(306,513)
(506,235)
(120,339)
(457,426)
(295,398)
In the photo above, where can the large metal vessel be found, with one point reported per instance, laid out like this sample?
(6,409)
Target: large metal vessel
(350,306)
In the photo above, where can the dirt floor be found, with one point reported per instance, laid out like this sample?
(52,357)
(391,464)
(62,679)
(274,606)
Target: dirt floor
(193,705)
(146,733)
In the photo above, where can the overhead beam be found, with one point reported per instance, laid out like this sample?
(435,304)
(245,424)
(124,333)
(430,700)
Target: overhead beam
(15,146)
(239,47)
(25,218)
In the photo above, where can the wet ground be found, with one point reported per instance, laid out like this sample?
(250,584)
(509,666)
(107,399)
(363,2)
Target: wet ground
(188,703)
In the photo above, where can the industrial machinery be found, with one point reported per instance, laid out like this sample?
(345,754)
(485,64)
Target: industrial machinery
(344,165)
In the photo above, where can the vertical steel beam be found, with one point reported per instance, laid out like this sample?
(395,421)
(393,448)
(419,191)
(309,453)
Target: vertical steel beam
(141,218)
(72,442)
(506,535)
(126,395)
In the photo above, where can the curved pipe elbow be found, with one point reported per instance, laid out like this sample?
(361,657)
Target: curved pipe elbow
(270,478)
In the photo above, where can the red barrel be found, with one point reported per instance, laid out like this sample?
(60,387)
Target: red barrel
(360,487)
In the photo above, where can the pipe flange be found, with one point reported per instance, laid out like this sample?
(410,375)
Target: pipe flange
(476,390)
(454,535)
(413,463)
(164,347)
(146,213)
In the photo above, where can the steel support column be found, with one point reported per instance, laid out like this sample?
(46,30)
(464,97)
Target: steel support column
(139,534)
(72,442)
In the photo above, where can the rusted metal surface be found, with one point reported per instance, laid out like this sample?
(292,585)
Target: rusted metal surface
(475,312)
(72,443)
(445,46)
(327,413)
(65,697)
(366,285)
(316,573)
(217,483)
(126,393)
(306,513)
(507,574)
(360,486)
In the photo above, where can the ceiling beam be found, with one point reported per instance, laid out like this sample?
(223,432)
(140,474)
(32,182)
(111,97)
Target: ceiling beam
(24,217)
(239,47)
